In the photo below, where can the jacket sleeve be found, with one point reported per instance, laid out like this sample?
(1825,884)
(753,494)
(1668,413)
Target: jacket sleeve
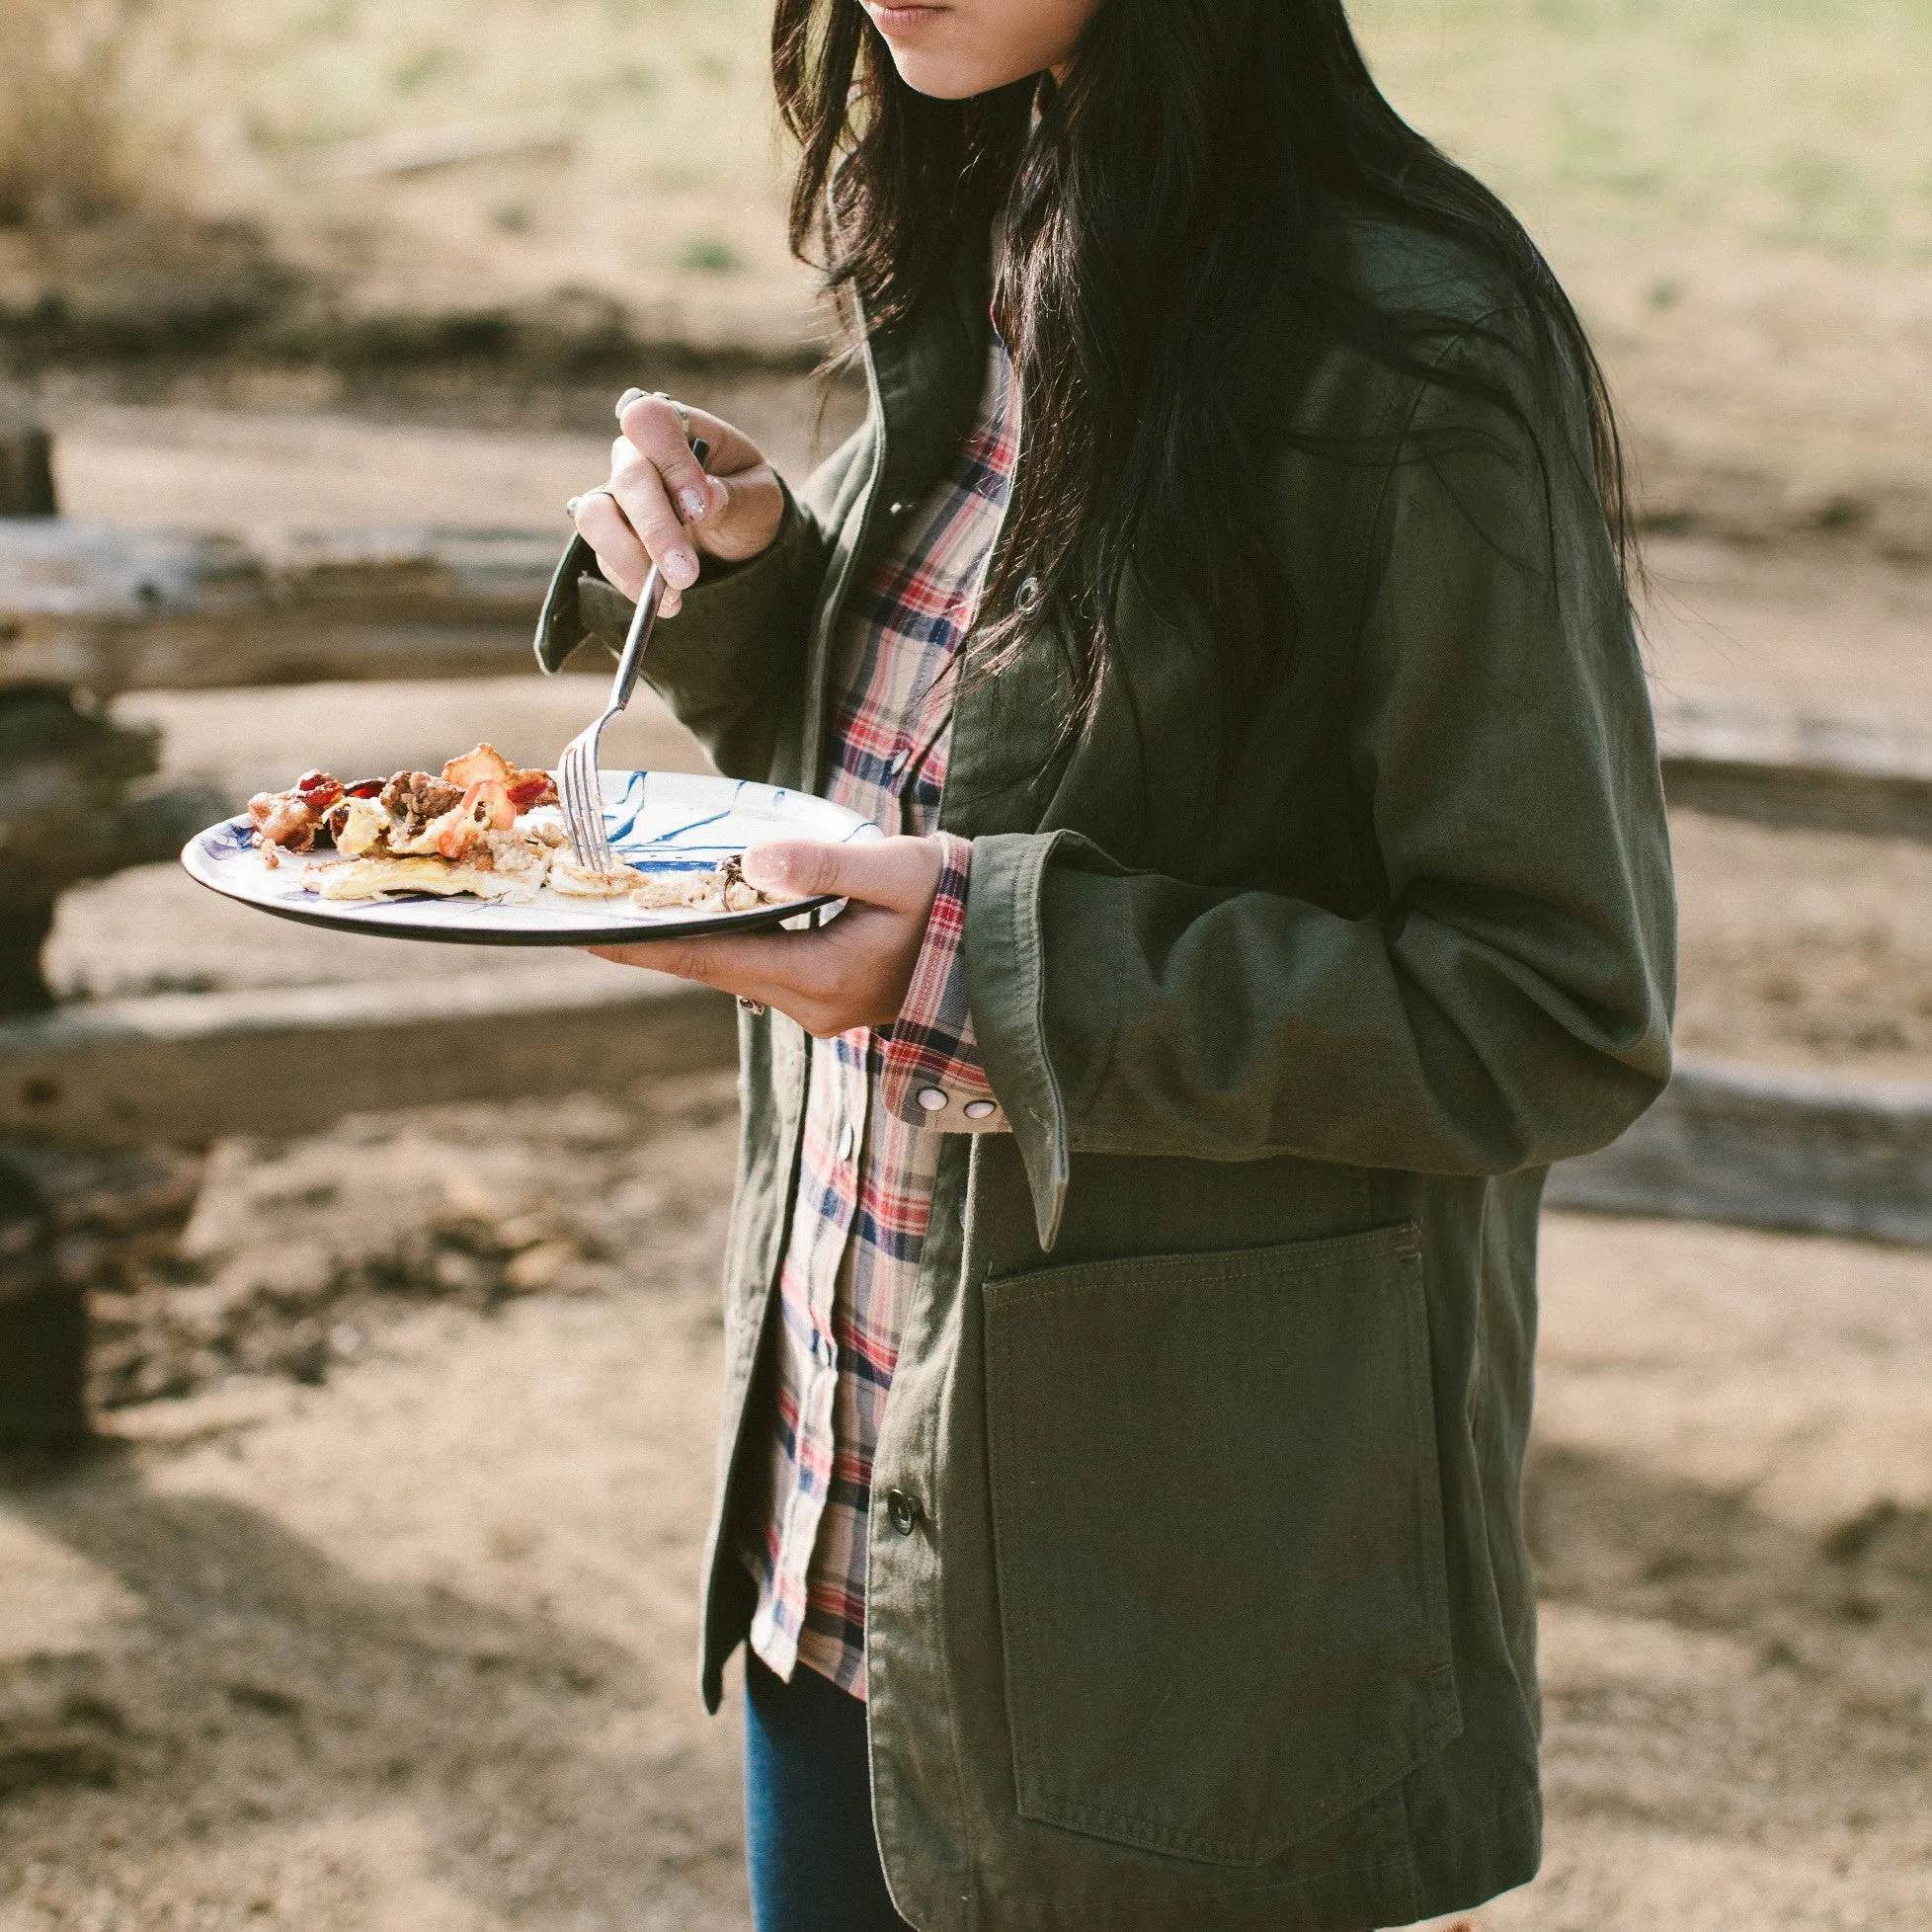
(1508,1004)
(734,656)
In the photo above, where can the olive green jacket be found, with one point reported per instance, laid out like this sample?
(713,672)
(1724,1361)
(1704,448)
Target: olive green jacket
(1213,1610)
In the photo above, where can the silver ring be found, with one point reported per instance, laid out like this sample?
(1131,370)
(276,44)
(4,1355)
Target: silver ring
(755,1008)
(684,414)
(601,490)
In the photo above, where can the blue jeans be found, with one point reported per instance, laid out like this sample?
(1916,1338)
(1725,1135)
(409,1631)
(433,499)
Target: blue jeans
(814,1856)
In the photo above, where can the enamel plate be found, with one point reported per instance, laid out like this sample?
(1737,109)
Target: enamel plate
(657,821)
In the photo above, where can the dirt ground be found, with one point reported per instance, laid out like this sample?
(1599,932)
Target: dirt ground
(410,1652)
(407,1647)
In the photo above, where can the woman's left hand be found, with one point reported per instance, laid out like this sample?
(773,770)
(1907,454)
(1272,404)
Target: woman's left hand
(854,972)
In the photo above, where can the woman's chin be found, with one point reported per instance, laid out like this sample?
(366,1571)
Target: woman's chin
(943,76)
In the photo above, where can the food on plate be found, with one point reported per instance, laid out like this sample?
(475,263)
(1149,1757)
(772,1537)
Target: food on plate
(376,878)
(727,890)
(289,820)
(419,812)
(483,828)
(576,881)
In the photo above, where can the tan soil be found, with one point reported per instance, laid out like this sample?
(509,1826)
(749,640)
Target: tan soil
(413,1648)
(411,1652)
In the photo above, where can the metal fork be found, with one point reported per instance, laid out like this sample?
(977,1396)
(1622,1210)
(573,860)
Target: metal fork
(578,788)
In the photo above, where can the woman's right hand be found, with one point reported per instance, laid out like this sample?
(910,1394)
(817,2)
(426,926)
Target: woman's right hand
(659,507)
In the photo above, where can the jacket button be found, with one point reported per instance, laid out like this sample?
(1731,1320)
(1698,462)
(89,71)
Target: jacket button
(1026,599)
(901,1511)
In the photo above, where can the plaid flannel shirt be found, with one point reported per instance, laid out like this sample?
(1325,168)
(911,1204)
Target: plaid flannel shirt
(877,1102)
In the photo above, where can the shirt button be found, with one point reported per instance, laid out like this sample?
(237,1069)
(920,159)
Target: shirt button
(901,1511)
(932,1098)
(896,508)
(896,764)
(848,1142)
(979,1109)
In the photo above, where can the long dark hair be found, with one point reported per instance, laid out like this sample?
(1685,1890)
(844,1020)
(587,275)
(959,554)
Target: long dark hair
(1158,210)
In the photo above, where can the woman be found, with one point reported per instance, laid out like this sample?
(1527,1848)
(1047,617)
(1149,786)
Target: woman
(1131,1287)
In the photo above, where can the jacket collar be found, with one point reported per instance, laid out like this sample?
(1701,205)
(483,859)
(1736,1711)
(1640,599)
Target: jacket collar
(928,372)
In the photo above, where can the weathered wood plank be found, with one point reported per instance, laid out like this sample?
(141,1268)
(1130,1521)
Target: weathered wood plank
(26,463)
(72,806)
(1834,775)
(43,1366)
(107,610)
(192,1066)
(1770,1149)
(1759,1147)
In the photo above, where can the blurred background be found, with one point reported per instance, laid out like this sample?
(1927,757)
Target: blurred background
(358,1343)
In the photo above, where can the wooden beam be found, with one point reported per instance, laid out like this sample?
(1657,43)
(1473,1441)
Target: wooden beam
(1832,774)
(1770,1148)
(193,1066)
(107,609)
(26,463)
(43,1364)
(1765,1148)
(43,1324)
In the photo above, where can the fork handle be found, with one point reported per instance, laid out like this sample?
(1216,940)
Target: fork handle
(645,618)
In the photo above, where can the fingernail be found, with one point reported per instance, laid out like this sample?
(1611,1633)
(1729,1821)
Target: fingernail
(693,503)
(626,399)
(680,566)
(765,868)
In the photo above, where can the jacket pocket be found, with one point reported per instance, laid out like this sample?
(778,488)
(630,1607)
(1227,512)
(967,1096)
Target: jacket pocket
(1219,1535)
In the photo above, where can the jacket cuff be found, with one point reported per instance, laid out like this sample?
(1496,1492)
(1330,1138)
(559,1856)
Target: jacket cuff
(728,602)
(1006,986)
(931,1074)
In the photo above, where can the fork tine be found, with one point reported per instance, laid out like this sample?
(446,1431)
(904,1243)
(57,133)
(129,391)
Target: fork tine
(594,785)
(573,814)
(581,834)
(581,805)
(607,859)
(583,802)
(568,801)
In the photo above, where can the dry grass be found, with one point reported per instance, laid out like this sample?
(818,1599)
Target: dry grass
(1760,122)
(665,200)
(67,150)
(1756,122)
